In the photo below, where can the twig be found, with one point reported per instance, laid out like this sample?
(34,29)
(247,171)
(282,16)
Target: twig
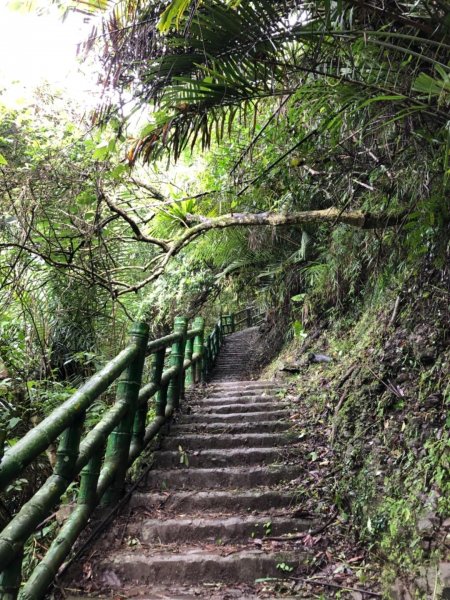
(395,311)
(342,399)
(346,376)
(389,386)
(335,585)
(124,530)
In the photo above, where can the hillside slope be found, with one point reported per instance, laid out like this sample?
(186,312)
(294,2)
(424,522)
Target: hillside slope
(375,422)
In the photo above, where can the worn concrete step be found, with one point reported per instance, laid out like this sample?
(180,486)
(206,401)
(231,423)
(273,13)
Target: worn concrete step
(215,530)
(230,427)
(235,417)
(193,441)
(216,458)
(230,364)
(231,477)
(242,394)
(228,501)
(193,566)
(241,408)
(230,377)
(222,400)
(244,384)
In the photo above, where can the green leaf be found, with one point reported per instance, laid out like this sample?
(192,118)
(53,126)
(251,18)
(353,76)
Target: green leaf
(174,12)
(3,160)
(427,85)
(118,171)
(383,98)
(13,422)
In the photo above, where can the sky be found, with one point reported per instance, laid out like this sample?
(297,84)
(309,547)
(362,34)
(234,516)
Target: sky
(35,49)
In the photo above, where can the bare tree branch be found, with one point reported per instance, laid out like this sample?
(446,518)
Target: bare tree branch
(134,226)
(153,191)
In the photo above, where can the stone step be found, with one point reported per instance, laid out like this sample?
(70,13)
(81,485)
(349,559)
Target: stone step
(225,394)
(194,441)
(231,477)
(192,566)
(244,384)
(240,407)
(221,399)
(235,417)
(216,458)
(215,501)
(228,377)
(220,427)
(221,530)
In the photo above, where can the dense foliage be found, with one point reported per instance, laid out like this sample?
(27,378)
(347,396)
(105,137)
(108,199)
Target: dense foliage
(218,109)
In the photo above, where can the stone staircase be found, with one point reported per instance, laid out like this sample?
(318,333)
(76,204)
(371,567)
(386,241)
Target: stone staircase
(218,493)
(237,356)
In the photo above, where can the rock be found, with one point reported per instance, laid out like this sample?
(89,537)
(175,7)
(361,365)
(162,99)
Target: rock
(433,582)
(426,525)
(427,356)
(319,358)
(291,367)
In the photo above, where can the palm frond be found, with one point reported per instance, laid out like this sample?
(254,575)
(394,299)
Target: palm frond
(229,56)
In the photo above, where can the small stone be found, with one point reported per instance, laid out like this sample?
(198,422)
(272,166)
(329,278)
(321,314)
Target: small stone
(425,526)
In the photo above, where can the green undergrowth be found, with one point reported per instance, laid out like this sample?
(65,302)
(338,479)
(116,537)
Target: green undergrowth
(384,400)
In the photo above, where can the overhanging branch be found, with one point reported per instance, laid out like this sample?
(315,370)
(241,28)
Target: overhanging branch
(198,225)
(355,218)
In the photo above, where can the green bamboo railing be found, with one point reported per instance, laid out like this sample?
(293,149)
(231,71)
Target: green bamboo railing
(99,458)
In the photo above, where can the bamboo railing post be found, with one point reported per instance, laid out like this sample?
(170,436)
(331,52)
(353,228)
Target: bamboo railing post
(10,579)
(47,569)
(176,360)
(157,370)
(217,339)
(199,323)
(140,418)
(210,355)
(249,316)
(88,480)
(213,348)
(68,449)
(206,360)
(233,323)
(119,439)
(189,375)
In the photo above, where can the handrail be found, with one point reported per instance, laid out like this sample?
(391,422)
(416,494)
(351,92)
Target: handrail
(251,316)
(101,456)
(39,439)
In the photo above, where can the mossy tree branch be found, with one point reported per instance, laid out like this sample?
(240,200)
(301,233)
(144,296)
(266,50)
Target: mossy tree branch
(197,225)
